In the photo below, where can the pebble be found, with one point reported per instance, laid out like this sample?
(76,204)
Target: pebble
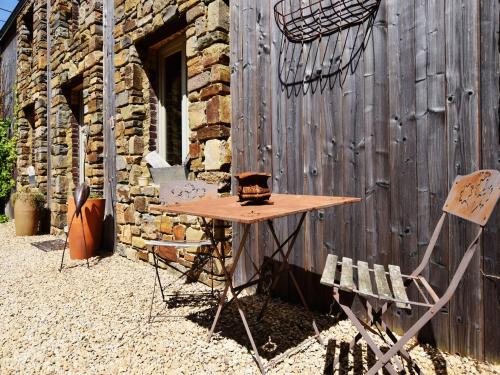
(94,321)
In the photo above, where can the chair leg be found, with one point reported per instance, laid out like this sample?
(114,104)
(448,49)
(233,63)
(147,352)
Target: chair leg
(361,329)
(424,319)
(375,317)
(152,299)
(155,259)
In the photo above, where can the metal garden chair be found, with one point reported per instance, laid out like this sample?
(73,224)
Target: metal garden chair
(472,197)
(161,250)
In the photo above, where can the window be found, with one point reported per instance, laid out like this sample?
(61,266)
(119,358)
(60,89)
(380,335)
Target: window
(78,134)
(28,24)
(173,130)
(29,113)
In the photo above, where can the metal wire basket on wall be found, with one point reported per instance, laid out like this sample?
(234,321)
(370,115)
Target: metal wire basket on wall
(322,41)
(303,21)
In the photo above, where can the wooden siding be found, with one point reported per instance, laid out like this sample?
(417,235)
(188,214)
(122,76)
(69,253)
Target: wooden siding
(421,108)
(8,61)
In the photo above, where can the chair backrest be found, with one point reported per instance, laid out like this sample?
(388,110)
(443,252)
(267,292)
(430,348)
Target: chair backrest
(176,192)
(473,197)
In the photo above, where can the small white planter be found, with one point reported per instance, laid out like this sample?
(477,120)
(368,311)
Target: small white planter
(143,181)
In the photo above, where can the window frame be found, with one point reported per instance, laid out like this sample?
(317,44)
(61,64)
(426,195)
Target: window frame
(82,139)
(176,45)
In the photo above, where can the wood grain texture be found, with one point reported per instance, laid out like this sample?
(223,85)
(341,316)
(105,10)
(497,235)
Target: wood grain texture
(364,279)
(462,117)
(490,157)
(328,276)
(438,271)
(398,287)
(397,133)
(346,276)
(383,289)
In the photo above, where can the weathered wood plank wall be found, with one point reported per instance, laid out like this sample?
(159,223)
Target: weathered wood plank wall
(421,108)
(8,61)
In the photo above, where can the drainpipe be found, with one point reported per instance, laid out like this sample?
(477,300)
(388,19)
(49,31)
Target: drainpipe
(109,112)
(49,108)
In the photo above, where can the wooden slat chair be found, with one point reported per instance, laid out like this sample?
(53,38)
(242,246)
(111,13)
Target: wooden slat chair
(472,197)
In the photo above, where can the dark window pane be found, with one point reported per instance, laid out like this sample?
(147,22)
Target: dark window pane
(173,107)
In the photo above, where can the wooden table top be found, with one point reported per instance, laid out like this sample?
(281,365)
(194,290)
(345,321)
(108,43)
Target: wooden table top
(229,209)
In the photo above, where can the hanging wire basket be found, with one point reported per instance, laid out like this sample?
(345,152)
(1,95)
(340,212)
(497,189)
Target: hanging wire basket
(303,21)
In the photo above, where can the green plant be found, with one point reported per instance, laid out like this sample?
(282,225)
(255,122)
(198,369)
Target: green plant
(95,195)
(4,218)
(8,156)
(32,194)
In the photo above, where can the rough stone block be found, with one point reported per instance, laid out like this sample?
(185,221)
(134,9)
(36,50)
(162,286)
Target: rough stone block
(212,37)
(216,154)
(191,46)
(132,112)
(193,234)
(122,193)
(132,77)
(195,12)
(197,116)
(131,5)
(216,54)
(194,150)
(129,214)
(126,234)
(220,73)
(140,203)
(219,110)
(165,224)
(138,242)
(179,231)
(199,81)
(218,16)
(136,145)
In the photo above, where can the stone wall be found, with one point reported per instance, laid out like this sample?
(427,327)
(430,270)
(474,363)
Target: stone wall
(76,58)
(31,89)
(142,27)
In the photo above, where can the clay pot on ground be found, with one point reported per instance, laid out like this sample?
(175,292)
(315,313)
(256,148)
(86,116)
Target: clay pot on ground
(90,233)
(27,205)
(26,217)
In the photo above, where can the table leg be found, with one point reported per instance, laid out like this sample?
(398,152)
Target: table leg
(229,285)
(286,265)
(276,275)
(228,274)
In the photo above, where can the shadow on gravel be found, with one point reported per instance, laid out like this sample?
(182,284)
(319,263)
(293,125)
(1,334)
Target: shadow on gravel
(358,361)
(282,328)
(94,261)
(185,300)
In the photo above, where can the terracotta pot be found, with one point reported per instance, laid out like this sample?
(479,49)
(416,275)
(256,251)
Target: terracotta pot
(26,216)
(93,218)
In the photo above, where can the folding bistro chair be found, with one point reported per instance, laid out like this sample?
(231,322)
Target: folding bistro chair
(159,253)
(472,197)
(161,250)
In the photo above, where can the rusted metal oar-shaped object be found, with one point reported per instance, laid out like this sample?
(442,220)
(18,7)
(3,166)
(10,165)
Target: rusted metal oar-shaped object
(80,195)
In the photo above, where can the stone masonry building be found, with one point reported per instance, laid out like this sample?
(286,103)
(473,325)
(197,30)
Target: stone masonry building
(170,79)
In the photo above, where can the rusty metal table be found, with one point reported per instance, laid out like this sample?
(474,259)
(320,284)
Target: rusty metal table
(229,209)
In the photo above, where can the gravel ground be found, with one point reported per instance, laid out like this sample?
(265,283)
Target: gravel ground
(95,321)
